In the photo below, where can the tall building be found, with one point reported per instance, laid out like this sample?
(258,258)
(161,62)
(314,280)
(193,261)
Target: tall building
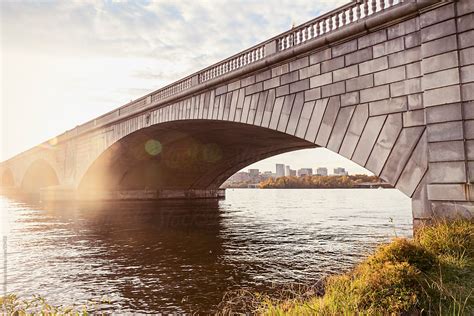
(305,172)
(340,172)
(287,171)
(322,171)
(280,170)
(292,173)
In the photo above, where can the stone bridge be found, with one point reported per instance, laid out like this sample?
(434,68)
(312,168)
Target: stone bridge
(387,84)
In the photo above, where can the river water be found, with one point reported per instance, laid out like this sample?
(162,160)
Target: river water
(182,257)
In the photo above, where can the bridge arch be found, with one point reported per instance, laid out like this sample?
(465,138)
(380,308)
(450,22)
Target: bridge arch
(40,174)
(7,179)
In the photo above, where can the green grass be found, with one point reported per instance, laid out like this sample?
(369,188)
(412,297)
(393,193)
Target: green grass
(433,274)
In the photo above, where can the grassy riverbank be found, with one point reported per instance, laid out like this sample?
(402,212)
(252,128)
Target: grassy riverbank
(432,274)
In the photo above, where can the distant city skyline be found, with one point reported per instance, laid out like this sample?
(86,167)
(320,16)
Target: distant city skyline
(309,158)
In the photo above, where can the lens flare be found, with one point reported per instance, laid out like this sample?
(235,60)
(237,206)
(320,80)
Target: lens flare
(153,147)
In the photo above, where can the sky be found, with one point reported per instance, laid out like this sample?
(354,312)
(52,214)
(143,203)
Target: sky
(66,62)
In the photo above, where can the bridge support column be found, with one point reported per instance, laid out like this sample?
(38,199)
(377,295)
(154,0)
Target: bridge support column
(447,66)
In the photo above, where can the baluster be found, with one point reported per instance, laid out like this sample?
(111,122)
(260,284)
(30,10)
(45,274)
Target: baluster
(351,15)
(390,3)
(382,4)
(344,17)
(310,31)
(317,29)
(358,13)
(366,8)
(323,27)
(305,33)
(330,24)
(374,6)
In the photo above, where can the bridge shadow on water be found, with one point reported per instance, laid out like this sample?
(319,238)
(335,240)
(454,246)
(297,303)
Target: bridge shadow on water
(165,256)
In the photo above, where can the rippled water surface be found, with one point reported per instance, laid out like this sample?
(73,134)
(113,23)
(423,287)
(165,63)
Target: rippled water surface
(182,257)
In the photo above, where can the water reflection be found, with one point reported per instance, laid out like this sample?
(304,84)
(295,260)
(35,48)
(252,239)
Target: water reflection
(182,257)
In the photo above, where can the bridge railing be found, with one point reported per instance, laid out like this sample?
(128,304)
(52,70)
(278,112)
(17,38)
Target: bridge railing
(343,16)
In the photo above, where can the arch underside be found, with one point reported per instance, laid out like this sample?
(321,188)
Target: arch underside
(39,175)
(185,155)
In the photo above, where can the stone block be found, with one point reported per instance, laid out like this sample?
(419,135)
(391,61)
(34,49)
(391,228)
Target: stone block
(412,40)
(405,87)
(373,65)
(445,131)
(446,192)
(221,90)
(437,15)
(446,151)
(385,141)
(310,71)
(468,110)
(374,94)
(247,81)
(367,139)
(344,48)
(464,7)
(333,89)
(439,62)
(372,38)
(440,79)
(295,114)
(276,113)
(438,30)
(415,169)
(233,85)
(466,39)
(320,80)
(245,109)
(389,75)
(305,116)
(271,83)
(316,118)
(469,145)
(469,129)
(351,98)
(447,172)
(360,83)
(413,70)
(403,28)
(283,90)
(280,70)
(340,127)
(386,106)
(356,126)
(439,46)
(415,101)
(466,23)
(443,113)
(345,73)
(299,86)
(257,87)
(264,75)
(401,152)
(443,95)
(267,114)
(389,47)
(414,118)
(467,56)
(320,56)
(327,123)
(359,56)
(290,77)
(407,56)
(467,73)
(260,108)
(468,92)
(332,64)
(312,94)
(299,63)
